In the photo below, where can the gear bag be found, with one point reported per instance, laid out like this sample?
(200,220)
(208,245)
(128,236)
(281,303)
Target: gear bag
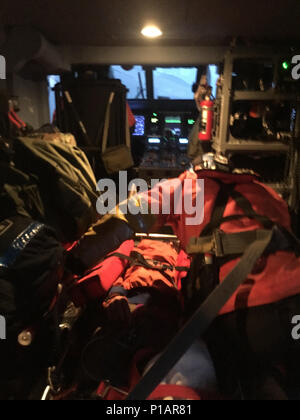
(19,194)
(66,183)
(31,267)
(222,247)
(31,262)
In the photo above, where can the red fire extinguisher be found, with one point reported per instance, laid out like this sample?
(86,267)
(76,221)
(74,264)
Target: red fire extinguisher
(207,117)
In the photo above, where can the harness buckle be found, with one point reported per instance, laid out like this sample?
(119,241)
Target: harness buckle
(218,244)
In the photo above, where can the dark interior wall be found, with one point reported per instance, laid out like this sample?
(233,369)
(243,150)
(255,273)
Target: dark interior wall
(33,99)
(29,58)
(149,55)
(32,96)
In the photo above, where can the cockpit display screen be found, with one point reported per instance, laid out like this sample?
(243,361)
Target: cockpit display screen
(140,125)
(174,124)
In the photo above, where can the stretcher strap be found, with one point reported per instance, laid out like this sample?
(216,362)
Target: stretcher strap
(137,259)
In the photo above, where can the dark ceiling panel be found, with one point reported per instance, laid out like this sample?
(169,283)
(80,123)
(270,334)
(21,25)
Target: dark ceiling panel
(254,19)
(185,22)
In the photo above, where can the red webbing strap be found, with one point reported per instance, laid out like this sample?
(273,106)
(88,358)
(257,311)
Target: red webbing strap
(17,118)
(14,121)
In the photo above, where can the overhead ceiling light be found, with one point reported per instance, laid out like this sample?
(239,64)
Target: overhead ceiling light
(151,31)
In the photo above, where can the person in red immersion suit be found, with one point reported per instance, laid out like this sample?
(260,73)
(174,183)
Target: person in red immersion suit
(144,303)
(146,297)
(251,340)
(141,279)
(131,301)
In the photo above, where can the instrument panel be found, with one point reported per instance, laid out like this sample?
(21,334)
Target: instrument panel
(165,136)
(158,127)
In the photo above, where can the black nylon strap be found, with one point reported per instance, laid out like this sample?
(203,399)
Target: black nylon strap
(247,208)
(219,208)
(77,118)
(217,219)
(201,320)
